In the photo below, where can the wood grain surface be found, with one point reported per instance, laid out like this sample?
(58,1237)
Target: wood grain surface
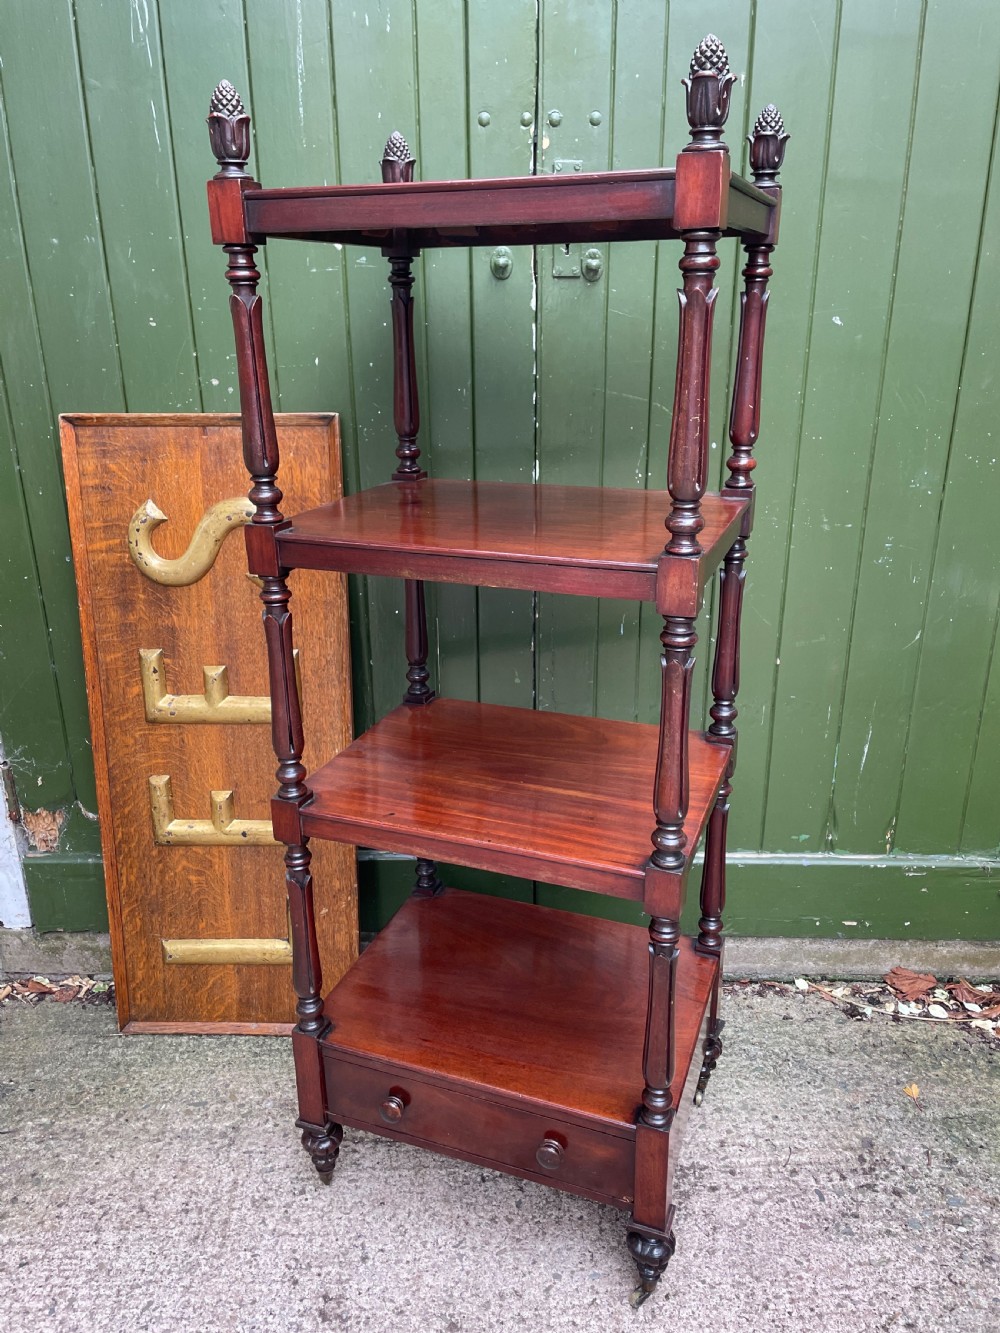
(541,1009)
(185,464)
(595,541)
(567,800)
(585,206)
(475,1128)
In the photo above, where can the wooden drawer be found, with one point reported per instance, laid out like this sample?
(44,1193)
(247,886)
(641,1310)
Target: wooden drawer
(584,1161)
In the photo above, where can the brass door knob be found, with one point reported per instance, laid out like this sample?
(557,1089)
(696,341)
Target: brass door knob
(549,1154)
(392,1109)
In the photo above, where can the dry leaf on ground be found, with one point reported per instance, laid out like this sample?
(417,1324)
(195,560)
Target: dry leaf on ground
(909,984)
(965,993)
(912,1091)
(39,986)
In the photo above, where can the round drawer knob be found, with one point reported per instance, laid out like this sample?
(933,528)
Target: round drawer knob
(392,1109)
(549,1154)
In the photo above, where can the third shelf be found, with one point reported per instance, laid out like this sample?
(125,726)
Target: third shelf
(547,796)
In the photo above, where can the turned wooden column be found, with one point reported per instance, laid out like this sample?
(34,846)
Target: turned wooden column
(658,1109)
(767,151)
(671,784)
(405,403)
(687,469)
(722,729)
(418,690)
(767,148)
(713,880)
(229,131)
(702,178)
(701,192)
(397,166)
(650,1236)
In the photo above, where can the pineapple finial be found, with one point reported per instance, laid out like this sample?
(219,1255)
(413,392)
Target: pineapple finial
(710,57)
(708,86)
(226,101)
(767,146)
(229,130)
(397,160)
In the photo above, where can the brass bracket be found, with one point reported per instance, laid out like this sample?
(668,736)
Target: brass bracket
(215,705)
(223,829)
(215,952)
(256,952)
(213,528)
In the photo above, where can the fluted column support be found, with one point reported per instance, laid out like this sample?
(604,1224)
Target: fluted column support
(671,786)
(767,152)
(658,1109)
(687,466)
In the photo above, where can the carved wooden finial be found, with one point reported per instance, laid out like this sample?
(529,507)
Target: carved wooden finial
(226,101)
(767,146)
(397,160)
(397,149)
(708,87)
(229,130)
(710,57)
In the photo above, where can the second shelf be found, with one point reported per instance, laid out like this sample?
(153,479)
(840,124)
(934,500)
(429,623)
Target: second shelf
(599,542)
(547,796)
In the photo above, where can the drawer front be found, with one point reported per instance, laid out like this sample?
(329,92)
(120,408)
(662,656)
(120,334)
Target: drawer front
(523,1142)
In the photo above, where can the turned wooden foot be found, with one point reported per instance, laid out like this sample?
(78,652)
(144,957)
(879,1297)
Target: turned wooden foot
(322,1143)
(428,883)
(651,1254)
(713,1049)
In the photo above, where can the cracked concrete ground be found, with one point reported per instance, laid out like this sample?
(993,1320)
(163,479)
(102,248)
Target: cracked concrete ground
(156,1183)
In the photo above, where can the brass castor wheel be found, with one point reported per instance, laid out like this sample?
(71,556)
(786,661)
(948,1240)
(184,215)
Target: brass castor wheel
(713,1049)
(651,1253)
(322,1143)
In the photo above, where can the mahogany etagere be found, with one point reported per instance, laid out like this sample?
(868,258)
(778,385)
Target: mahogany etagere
(550,1045)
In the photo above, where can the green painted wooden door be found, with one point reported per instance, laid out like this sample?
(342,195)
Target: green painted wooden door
(870,700)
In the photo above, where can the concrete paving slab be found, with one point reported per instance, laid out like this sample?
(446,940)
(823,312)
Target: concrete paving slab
(156,1183)
(57,953)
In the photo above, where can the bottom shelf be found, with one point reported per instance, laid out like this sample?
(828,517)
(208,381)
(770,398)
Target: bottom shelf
(507,1034)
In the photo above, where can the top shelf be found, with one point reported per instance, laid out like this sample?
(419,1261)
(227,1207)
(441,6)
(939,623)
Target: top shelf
(528,210)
